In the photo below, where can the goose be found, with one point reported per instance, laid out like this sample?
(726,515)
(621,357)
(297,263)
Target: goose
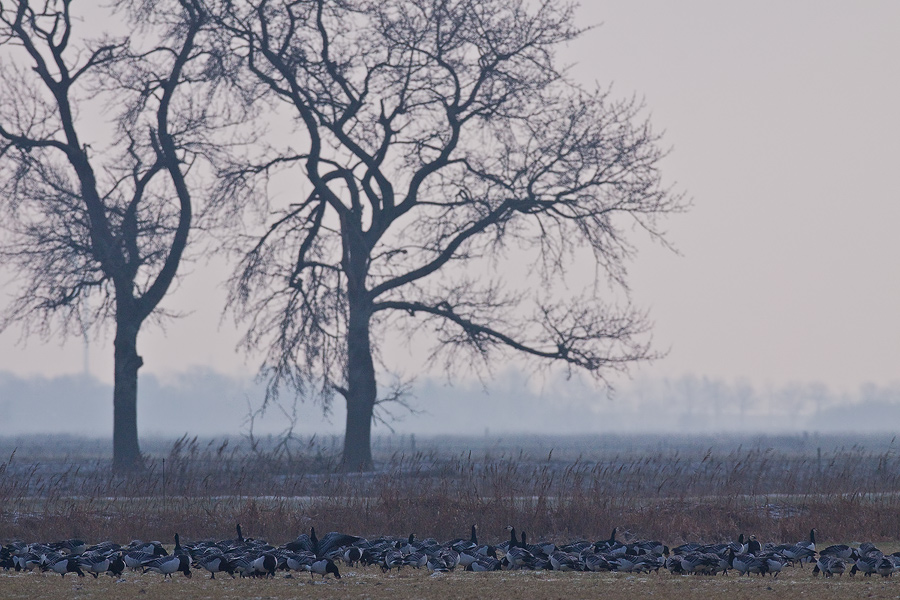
(673,565)
(720,549)
(104,548)
(537,550)
(484,563)
(265,565)
(333,541)
(746,563)
(740,547)
(467,556)
(470,555)
(153,548)
(652,547)
(469,550)
(371,556)
(73,547)
(242,565)
(240,534)
(450,558)
(687,548)
(812,540)
(650,562)
(577,547)
(886,566)
(214,562)
(169,564)
(392,558)
(801,551)
(304,543)
(352,555)
(624,563)
(840,551)
(6,560)
(410,546)
(17,548)
(96,563)
(869,549)
(724,564)
(519,558)
(607,545)
(323,567)
(561,561)
(63,565)
(436,565)
(461,545)
(27,562)
(796,552)
(699,563)
(865,564)
(178,549)
(774,563)
(136,559)
(117,566)
(829,566)
(300,561)
(416,560)
(513,541)
(752,546)
(595,562)
(239,542)
(330,542)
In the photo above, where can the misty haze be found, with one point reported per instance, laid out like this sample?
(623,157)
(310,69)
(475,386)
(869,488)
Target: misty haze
(206,403)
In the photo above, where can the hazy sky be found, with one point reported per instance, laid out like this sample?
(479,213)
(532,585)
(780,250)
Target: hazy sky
(783,123)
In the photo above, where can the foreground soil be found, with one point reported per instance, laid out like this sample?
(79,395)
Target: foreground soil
(370,583)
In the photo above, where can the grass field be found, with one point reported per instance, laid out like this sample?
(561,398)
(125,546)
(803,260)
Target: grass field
(372,584)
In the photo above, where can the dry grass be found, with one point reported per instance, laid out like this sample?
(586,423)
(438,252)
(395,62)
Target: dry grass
(672,493)
(372,584)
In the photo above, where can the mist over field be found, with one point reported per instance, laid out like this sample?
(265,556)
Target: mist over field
(207,403)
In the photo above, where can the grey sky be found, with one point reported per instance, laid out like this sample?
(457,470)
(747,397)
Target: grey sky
(784,130)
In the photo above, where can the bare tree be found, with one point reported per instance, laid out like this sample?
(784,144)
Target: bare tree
(442,145)
(97,138)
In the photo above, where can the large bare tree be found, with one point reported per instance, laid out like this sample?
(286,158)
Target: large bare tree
(443,146)
(97,137)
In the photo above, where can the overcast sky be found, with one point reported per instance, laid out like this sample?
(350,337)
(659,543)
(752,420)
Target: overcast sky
(783,123)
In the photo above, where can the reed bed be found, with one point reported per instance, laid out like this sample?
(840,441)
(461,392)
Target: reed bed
(669,492)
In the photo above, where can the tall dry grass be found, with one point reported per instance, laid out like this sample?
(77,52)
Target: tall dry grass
(673,494)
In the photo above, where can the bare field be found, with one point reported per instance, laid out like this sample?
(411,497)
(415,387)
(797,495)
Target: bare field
(374,585)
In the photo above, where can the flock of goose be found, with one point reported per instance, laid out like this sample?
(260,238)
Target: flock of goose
(247,557)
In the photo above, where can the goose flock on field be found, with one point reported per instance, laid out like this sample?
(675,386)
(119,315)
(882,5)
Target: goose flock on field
(247,557)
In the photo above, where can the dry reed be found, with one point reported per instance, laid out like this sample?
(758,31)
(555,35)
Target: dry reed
(673,494)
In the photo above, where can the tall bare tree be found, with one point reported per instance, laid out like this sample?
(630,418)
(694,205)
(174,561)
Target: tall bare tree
(442,144)
(96,141)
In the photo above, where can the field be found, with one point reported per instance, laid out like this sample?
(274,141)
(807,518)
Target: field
(372,584)
(666,488)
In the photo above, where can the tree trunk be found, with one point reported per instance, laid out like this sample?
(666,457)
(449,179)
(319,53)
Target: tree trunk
(361,392)
(126,452)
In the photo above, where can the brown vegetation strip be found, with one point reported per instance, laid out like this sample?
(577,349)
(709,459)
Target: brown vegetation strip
(666,496)
(372,584)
